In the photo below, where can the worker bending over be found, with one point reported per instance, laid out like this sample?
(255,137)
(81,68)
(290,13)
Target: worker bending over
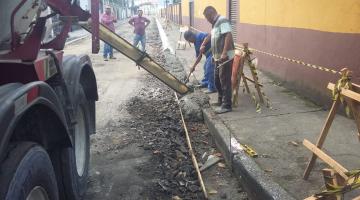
(222,47)
(197,39)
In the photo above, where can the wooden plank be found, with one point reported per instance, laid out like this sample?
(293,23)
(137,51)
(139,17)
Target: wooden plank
(248,59)
(356,87)
(246,84)
(355,113)
(326,158)
(351,94)
(345,92)
(312,198)
(249,79)
(191,151)
(331,177)
(351,104)
(356,198)
(323,134)
(331,86)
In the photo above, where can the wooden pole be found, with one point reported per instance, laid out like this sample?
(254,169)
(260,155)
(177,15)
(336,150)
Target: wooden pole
(191,151)
(323,134)
(326,158)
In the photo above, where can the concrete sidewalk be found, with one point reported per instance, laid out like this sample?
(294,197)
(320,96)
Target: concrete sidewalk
(274,133)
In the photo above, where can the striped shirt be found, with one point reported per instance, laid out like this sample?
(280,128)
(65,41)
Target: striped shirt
(218,32)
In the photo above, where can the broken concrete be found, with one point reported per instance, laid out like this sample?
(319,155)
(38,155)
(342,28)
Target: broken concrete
(192,105)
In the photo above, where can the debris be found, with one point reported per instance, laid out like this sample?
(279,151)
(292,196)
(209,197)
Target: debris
(212,160)
(211,192)
(97,173)
(179,155)
(194,188)
(156,152)
(294,143)
(176,198)
(218,154)
(268,170)
(205,142)
(192,105)
(221,165)
(163,186)
(223,195)
(204,155)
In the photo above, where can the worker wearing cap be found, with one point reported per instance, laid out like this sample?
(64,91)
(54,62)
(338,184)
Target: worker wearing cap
(222,47)
(197,39)
(139,23)
(108,20)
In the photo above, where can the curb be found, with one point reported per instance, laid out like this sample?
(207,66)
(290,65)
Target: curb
(77,39)
(251,177)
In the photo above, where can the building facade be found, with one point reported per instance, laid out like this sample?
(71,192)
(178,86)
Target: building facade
(323,32)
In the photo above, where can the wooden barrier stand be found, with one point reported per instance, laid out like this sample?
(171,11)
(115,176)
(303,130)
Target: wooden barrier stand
(347,92)
(242,58)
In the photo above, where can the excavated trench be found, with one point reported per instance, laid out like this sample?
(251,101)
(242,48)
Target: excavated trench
(154,130)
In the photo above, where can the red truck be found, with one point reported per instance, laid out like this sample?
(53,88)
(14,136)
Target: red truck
(47,103)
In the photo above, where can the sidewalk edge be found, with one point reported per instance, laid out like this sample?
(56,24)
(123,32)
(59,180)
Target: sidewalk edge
(251,177)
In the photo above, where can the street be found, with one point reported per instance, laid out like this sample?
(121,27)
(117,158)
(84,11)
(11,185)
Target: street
(139,149)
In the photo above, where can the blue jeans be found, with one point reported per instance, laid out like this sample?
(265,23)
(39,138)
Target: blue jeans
(108,50)
(208,79)
(140,38)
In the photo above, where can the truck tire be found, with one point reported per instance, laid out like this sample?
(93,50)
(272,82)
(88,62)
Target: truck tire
(27,174)
(74,162)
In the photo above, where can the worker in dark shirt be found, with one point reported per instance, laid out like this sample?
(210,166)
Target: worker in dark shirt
(197,39)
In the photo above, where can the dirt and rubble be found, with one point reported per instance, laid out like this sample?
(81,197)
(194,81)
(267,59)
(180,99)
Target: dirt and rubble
(139,150)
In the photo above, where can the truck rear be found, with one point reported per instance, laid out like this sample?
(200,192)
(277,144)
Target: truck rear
(47,103)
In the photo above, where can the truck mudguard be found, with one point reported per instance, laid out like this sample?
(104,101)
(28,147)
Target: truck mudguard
(16,99)
(78,71)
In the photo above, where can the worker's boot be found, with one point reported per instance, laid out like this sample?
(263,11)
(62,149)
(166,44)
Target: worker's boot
(217,104)
(222,110)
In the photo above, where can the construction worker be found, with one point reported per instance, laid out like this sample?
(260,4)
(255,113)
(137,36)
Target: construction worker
(139,23)
(108,20)
(222,47)
(197,39)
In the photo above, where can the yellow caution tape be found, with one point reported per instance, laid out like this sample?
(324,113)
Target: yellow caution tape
(321,68)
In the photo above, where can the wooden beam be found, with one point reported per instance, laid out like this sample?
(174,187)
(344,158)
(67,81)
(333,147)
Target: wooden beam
(313,198)
(356,198)
(323,134)
(326,158)
(355,113)
(345,92)
(331,177)
(255,77)
(191,151)
(249,79)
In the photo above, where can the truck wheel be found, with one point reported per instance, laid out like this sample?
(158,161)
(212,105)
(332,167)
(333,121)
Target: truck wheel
(75,161)
(27,174)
